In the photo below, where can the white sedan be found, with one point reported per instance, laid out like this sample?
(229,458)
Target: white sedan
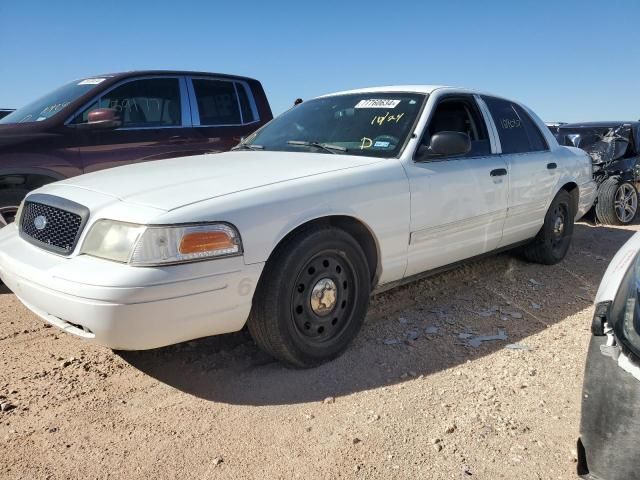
(339,197)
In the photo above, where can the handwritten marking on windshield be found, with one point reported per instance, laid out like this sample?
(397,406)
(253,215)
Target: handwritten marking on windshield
(386,118)
(366,143)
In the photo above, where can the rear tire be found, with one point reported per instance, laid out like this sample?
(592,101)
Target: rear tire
(312,298)
(9,203)
(552,241)
(617,202)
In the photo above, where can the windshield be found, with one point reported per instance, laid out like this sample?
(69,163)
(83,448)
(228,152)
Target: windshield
(603,144)
(372,124)
(47,106)
(625,310)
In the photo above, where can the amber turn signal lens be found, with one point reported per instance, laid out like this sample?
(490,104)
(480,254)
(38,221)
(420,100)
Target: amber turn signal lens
(200,242)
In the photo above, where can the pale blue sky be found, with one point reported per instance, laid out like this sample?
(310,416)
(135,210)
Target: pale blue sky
(568,60)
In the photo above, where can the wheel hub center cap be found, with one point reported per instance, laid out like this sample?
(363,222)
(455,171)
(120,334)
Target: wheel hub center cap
(558,226)
(324,296)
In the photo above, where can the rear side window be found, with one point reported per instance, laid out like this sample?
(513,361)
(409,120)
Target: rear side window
(217,102)
(517,132)
(536,140)
(152,102)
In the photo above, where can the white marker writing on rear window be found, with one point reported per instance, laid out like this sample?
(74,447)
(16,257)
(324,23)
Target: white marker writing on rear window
(378,103)
(91,81)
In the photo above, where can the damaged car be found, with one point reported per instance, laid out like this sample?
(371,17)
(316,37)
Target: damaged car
(613,147)
(610,424)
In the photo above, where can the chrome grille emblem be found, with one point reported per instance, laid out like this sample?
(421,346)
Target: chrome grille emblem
(40,222)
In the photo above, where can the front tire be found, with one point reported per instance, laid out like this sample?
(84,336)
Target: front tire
(312,299)
(617,202)
(552,241)
(9,202)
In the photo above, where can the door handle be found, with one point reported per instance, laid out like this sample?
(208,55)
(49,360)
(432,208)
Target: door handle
(498,172)
(552,165)
(177,140)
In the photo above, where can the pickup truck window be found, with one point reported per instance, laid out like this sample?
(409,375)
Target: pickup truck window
(518,133)
(51,103)
(217,102)
(144,103)
(369,124)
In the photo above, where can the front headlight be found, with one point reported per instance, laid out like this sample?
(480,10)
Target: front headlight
(141,245)
(112,240)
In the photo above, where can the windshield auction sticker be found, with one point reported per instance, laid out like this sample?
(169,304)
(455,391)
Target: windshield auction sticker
(378,103)
(91,81)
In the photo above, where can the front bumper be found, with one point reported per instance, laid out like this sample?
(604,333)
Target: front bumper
(610,420)
(128,308)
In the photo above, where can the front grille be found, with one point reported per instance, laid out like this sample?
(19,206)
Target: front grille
(52,223)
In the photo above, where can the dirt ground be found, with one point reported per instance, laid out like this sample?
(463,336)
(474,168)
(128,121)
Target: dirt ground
(412,398)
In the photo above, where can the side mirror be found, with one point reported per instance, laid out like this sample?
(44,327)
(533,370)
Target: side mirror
(446,144)
(101,118)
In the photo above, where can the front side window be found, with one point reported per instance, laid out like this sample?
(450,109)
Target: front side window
(217,102)
(511,128)
(375,124)
(52,103)
(145,103)
(460,115)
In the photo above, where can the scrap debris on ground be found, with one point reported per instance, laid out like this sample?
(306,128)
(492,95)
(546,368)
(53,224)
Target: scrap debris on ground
(474,373)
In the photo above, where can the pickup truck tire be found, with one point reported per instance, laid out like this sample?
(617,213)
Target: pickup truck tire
(9,203)
(617,202)
(551,243)
(312,298)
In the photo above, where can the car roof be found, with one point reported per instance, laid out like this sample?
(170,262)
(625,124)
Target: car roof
(606,124)
(423,89)
(144,73)
(391,88)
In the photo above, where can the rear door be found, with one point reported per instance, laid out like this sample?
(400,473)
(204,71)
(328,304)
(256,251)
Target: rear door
(156,123)
(224,111)
(458,204)
(533,172)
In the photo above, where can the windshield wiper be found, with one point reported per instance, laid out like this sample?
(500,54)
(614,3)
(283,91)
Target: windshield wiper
(324,146)
(248,146)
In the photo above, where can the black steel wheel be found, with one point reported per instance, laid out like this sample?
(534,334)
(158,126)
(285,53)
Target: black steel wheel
(552,241)
(312,297)
(321,302)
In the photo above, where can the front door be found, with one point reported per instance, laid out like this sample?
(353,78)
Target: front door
(156,123)
(458,204)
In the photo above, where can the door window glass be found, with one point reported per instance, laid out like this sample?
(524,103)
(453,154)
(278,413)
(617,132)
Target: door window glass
(245,105)
(460,115)
(537,143)
(217,102)
(152,102)
(513,136)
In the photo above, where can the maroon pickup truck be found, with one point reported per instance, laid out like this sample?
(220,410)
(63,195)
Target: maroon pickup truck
(111,120)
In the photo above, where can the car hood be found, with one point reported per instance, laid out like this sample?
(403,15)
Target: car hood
(177,182)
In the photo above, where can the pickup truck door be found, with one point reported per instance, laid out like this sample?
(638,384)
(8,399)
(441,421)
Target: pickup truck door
(533,171)
(156,124)
(458,204)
